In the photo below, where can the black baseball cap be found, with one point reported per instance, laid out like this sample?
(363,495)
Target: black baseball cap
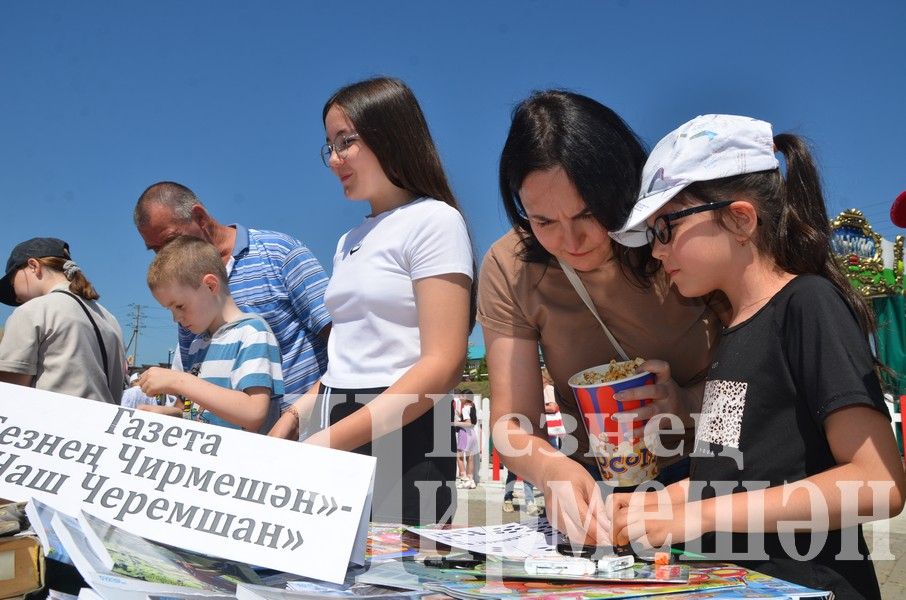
(39,247)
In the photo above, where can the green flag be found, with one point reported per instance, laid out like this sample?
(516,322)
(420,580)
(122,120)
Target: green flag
(890,313)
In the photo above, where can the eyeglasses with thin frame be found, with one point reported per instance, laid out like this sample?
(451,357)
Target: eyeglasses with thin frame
(340,145)
(662,230)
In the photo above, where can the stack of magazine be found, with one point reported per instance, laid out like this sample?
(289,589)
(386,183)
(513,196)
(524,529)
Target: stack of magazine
(122,566)
(118,565)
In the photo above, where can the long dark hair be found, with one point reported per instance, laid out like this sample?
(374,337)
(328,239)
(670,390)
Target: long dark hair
(388,118)
(600,154)
(794,229)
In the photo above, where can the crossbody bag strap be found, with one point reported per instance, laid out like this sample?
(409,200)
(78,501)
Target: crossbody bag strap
(583,294)
(97,331)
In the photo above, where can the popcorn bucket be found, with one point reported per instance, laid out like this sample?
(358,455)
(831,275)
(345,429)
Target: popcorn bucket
(617,444)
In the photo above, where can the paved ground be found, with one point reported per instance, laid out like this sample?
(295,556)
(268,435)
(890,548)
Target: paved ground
(886,539)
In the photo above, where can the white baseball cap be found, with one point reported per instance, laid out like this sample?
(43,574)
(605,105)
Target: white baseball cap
(705,148)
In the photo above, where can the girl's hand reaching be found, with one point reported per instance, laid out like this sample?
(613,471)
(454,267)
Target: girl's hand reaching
(651,520)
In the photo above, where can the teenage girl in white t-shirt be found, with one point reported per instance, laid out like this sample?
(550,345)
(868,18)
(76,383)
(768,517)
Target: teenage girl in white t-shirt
(401,298)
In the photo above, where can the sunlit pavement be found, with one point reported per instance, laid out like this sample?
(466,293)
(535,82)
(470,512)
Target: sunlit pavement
(887,541)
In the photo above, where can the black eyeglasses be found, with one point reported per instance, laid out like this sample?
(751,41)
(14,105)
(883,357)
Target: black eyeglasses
(662,230)
(340,145)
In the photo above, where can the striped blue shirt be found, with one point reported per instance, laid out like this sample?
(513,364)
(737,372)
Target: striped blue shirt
(240,355)
(277,277)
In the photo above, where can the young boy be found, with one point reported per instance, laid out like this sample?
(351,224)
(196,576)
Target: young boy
(239,352)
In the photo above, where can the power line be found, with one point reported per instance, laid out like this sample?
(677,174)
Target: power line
(137,327)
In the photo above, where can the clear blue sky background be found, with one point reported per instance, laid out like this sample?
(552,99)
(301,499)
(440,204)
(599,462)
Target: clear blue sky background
(100,99)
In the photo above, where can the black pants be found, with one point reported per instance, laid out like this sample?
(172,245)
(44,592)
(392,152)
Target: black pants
(411,485)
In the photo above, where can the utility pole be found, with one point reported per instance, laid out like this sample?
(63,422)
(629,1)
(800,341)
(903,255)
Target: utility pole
(137,326)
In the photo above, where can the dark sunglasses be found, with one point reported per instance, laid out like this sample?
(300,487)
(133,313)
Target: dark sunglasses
(662,230)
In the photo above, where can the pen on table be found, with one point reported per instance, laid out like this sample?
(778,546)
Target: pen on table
(454,563)
(680,553)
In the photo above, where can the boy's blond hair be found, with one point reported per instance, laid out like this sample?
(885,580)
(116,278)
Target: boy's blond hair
(185,260)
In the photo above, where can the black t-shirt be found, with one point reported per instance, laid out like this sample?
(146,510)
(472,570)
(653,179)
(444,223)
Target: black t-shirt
(774,380)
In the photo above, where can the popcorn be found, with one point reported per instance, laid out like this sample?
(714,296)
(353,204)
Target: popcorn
(616,370)
(618,445)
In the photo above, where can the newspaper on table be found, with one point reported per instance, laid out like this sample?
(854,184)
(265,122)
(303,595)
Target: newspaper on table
(185,597)
(39,516)
(314,590)
(467,584)
(111,586)
(133,556)
(752,585)
(508,540)
(255,499)
(385,541)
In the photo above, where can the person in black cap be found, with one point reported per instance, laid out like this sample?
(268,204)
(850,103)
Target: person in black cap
(59,338)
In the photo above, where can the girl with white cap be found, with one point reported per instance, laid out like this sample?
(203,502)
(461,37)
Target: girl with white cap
(60,338)
(794,442)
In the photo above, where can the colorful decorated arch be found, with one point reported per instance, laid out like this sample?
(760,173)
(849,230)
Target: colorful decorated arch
(874,266)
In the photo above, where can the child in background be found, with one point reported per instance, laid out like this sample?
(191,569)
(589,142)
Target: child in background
(238,351)
(794,441)
(466,440)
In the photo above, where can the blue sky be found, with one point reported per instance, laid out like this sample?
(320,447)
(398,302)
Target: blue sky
(100,99)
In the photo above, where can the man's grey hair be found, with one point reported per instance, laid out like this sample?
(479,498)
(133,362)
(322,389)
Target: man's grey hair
(174,196)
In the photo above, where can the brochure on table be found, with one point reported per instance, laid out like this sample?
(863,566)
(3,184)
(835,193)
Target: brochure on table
(39,515)
(133,556)
(238,495)
(507,540)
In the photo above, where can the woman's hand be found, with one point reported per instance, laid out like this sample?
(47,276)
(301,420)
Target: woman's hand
(574,503)
(668,398)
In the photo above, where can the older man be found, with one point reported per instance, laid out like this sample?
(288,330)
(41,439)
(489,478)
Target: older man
(270,273)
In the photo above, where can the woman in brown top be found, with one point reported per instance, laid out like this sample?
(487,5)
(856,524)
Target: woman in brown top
(569,173)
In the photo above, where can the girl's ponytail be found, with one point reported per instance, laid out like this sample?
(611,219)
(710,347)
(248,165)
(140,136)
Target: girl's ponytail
(78,283)
(802,237)
(794,229)
(80,286)
(802,228)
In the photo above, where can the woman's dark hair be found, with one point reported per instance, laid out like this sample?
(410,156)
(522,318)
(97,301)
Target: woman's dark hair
(599,153)
(388,118)
(794,229)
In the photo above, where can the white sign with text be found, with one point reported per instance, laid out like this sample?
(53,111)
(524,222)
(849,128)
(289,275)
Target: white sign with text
(246,497)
